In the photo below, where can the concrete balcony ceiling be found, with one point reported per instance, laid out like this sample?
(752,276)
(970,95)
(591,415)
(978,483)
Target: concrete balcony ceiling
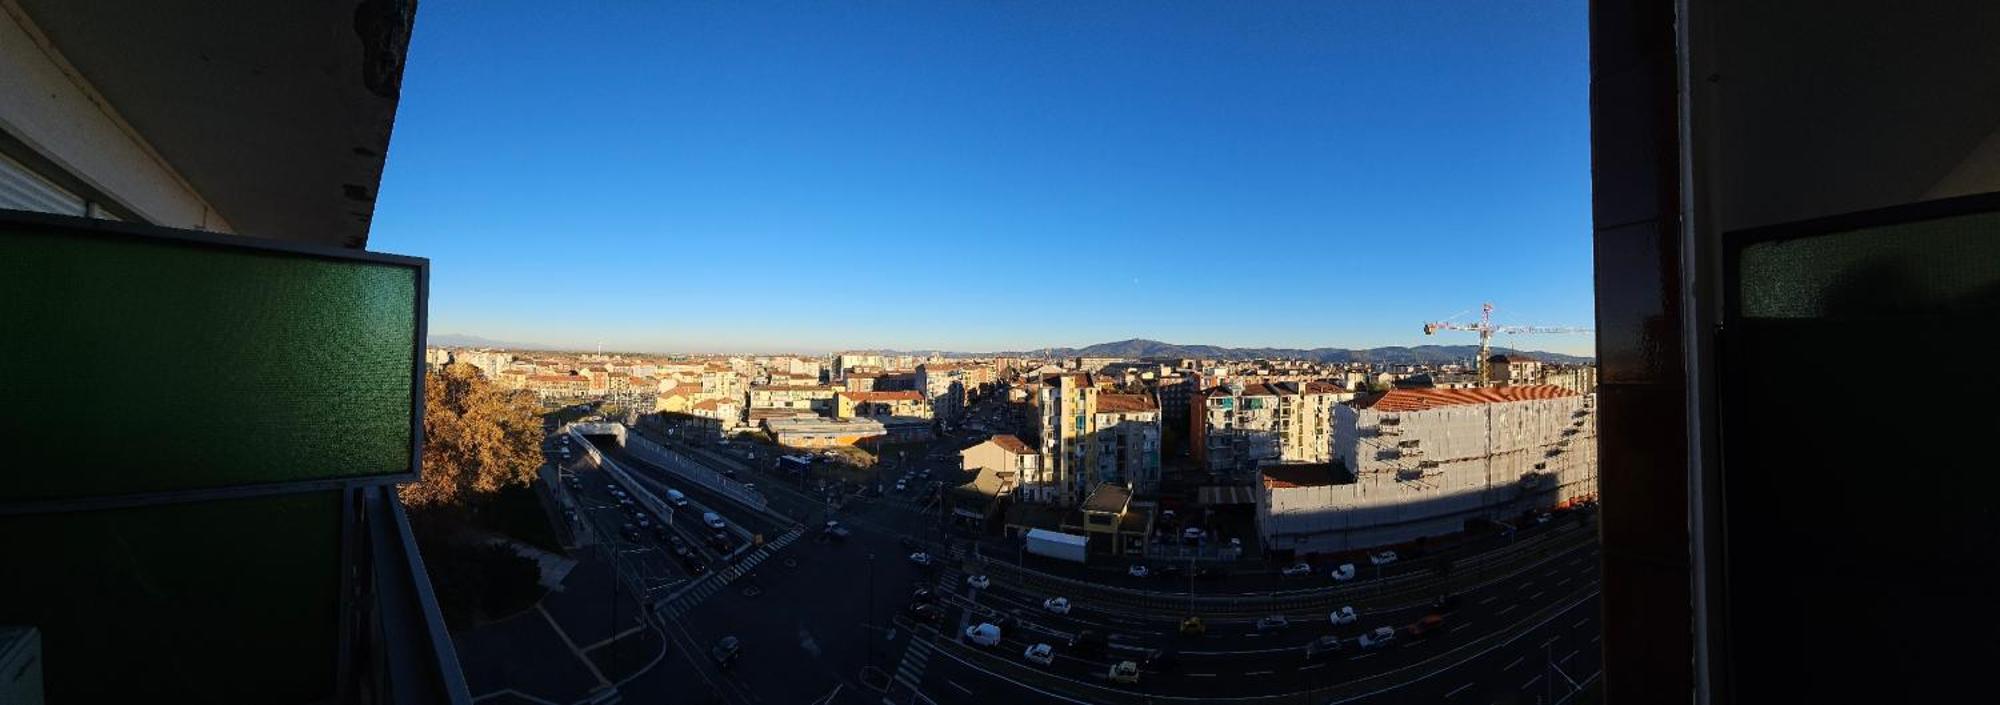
(277,113)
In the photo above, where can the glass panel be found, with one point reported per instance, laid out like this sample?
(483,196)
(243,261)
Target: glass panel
(227,601)
(208,366)
(1891,270)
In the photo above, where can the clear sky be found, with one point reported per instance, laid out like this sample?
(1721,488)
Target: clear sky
(810,176)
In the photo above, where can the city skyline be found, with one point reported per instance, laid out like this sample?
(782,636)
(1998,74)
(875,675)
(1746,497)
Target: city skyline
(452,339)
(948,176)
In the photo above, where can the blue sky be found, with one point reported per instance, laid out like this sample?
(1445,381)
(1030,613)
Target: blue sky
(695,176)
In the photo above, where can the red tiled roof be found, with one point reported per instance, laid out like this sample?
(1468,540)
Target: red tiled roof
(884,396)
(708,404)
(1326,388)
(1424,398)
(1012,444)
(794,388)
(1115,403)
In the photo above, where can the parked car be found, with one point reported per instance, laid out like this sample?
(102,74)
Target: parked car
(1343,573)
(1137,571)
(1272,623)
(983,634)
(920,558)
(1058,605)
(1382,557)
(978,581)
(1042,654)
(1382,636)
(1124,672)
(1344,615)
(1297,569)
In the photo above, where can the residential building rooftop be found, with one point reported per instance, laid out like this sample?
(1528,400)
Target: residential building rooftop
(1424,399)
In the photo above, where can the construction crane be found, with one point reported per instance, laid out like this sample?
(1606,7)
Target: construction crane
(1486,329)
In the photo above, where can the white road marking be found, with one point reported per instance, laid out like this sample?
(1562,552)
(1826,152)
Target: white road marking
(1311,667)
(1201,675)
(1489,599)
(1511,666)
(960,688)
(1538,595)
(1363,656)
(1456,628)
(1266,673)
(1458,690)
(1580,622)
(1508,608)
(1566,659)
(1531,682)
(1562,582)
(1595,637)
(1527,584)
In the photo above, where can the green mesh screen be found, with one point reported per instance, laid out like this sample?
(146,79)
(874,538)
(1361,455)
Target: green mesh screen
(140,364)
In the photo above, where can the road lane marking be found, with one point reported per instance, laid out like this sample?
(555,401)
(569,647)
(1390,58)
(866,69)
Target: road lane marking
(1266,673)
(1517,662)
(1527,584)
(1311,667)
(1489,599)
(1363,656)
(1538,595)
(1595,637)
(1461,626)
(1565,659)
(1531,682)
(1201,675)
(1458,690)
(960,688)
(1551,640)
(1508,608)
(1562,582)
(1579,623)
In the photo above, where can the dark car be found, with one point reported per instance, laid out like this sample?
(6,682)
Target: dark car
(910,544)
(923,595)
(1163,660)
(1169,571)
(696,567)
(726,651)
(925,612)
(1089,642)
(1322,647)
(1444,603)
(661,532)
(719,541)
(630,531)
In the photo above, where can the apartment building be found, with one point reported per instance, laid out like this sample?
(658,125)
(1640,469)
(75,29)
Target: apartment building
(1515,369)
(1421,462)
(848,404)
(850,360)
(1236,427)
(1090,437)
(815,398)
(944,384)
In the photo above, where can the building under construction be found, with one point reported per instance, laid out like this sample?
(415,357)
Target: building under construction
(1421,462)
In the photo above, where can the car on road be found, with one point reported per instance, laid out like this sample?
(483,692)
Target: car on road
(1042,654)
(1344,615)
(1382,636)
(630,531)
(1382,557)
(920,558)
(835,532)
(922,594)
(1058,605)
(1272,623)
(983,634)
(1343,573)
(1089,642)
(695,567)
(1542,517)
(644,522)
(925,612)
(1191,534)
(902,485)
(1169,571)
(1193,626)
(677,499)
(1429,625)
(1323,646)
(713,520)
(725,652)
(719,541)
(1124,672)
(1444,603)
(1137,571)
(1297,569)
(978,581)
(1162,660)
(661,532)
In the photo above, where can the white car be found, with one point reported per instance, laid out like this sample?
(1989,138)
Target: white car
(1297,569)
(1343,573)
(1124,672)
(1379,638)
(1040,653)
(1344,615)
(1542,518)
(713,520)
(978,581)
(1193,533)
(920,558)
(1138,571)
(1382,558)
(1058,605)
(1272,623)
(983,634)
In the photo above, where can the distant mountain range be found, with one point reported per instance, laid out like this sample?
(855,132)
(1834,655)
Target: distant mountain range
(1142,348)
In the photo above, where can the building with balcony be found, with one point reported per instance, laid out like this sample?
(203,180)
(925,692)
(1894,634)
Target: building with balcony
(1242,426)
(848,405)
(1090,437)
(818,399)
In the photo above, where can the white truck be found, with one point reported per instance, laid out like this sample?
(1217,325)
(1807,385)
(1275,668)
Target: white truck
(1055,544)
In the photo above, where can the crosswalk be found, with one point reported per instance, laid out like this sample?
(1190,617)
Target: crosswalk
(713,583)
(910,671)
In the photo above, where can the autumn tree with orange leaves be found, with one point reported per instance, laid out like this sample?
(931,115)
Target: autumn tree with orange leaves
(478,438)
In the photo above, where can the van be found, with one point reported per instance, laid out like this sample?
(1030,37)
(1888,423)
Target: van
(678,499)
